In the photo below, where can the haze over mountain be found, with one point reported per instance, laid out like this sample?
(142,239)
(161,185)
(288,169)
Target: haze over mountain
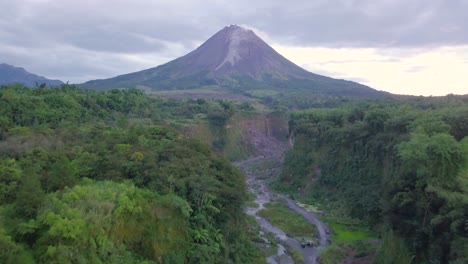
(10,74)
(237,59)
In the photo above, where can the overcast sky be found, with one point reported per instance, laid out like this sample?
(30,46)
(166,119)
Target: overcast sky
(415,47)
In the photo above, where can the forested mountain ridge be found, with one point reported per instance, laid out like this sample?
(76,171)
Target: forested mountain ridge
(11,75)
(88,177)
(238,61)
(400,165)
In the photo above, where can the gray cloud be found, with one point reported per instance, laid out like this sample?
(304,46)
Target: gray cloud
(369,23)
(91,39)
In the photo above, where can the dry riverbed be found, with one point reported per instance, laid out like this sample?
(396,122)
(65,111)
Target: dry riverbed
(259,169)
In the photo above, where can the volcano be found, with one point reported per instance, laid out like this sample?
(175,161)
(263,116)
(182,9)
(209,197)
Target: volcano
(237,59)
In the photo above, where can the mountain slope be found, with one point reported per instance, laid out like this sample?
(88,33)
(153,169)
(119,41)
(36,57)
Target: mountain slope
(237,59)
(11,74)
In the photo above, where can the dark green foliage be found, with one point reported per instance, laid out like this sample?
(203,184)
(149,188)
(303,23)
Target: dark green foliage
(393,251)
(110,222)
(10,175)
(29,195)
(401,163)
(87,177)
(67,104)
(218,115)
(8,248)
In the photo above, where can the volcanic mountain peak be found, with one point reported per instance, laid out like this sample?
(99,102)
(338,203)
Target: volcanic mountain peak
(236,50)
(238,60)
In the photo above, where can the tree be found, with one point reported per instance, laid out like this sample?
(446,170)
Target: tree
(30,195)
(10,175)
(428,194)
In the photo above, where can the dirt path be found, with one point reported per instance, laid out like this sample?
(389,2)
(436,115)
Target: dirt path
(261,168)
(321,228)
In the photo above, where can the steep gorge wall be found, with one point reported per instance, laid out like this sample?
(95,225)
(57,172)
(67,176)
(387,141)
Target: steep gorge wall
(243,135)
(399,166)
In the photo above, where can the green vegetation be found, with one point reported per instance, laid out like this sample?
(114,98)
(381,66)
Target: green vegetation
(350,237)
(103,221)
(101,177)
(346,233)
(297,257)
(290,222)
(394,250)
(398,165)
(272,246)
(115,177)
(337,252)
(252,204)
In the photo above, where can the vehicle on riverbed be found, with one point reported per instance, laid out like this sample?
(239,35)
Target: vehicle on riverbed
(308,243)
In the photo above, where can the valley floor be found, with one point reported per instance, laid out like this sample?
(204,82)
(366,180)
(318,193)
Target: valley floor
(261,168)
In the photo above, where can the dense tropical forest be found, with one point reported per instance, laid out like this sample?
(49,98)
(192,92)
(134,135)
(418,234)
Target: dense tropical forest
(102,177)
(400,166)
(119,176)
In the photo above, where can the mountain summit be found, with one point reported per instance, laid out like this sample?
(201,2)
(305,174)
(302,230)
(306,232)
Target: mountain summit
(237,51)
(237,59)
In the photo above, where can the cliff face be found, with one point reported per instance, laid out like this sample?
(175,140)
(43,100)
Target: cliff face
(243,136)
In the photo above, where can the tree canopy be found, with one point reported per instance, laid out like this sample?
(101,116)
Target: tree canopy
(402,163)
(99,177)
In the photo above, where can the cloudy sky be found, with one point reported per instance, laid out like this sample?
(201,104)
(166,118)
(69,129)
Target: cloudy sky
(415,47)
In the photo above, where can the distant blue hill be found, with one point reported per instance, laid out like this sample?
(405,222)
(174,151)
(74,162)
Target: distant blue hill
(10,74)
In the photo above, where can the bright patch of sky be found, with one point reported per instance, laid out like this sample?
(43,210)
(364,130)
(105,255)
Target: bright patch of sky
(437,71)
